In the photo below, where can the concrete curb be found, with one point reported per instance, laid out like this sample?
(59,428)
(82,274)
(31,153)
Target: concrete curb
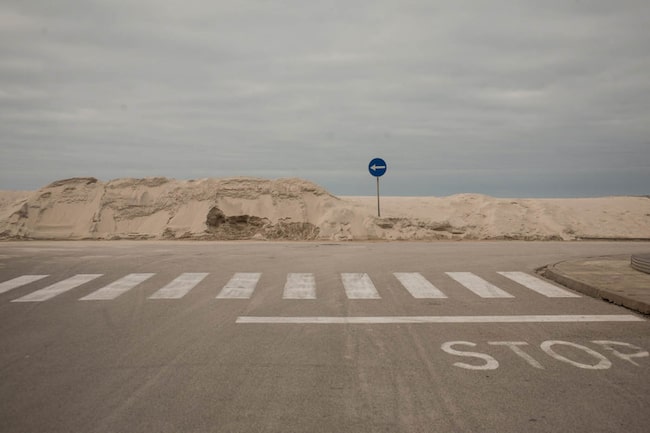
(553,274)
(641,262)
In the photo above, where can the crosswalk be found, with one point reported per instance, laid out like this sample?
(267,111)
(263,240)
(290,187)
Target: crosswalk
(57,288)
(117,288)
(478,285)
(20,281)
(537,285)
(180,286)
(359,286)
(241,286)
(298,286)
(418,286)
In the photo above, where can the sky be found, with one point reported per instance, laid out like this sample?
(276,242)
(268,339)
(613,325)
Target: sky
(511,99)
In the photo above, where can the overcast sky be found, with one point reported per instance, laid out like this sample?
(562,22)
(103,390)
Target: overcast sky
(513,99)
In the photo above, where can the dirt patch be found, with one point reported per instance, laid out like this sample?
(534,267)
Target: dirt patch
(295,231)
(73,181)
(236,227)
(220,226)
(414,228)
(215,218)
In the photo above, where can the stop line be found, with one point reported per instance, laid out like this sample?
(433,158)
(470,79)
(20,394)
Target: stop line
(298,286)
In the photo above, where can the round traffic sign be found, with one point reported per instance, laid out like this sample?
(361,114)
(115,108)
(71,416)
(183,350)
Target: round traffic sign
(377,167)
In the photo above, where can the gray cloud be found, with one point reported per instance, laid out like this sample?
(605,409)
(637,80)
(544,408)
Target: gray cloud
(505,98)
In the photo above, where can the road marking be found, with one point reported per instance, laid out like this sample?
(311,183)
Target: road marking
(478,285)
(58,288)
(359,286)
(603,362)
(598,361)
(640,353)
(19,281)
(180,286)
(438,319)
(300,286)
(241,286)
(418,286)
(490,362)
(514,346)
(117,288)
(539,286)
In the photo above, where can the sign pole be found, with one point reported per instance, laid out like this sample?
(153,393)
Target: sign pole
(378,209)
(377,168)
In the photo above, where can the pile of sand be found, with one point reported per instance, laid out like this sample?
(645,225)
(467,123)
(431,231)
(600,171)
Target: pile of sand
(295,209)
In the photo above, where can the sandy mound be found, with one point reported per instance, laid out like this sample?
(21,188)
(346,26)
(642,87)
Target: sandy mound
(474,216)
(249,208)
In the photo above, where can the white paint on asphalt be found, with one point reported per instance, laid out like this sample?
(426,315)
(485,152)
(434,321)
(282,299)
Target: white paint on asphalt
(241,286)
(418,286)
(436,319)
(569,350)
(180,286)
(117,288)
(478,285)
(490,362)
(539,286)
(514,346)
(19,281)
(359,286)
(300,286)
(58,288)
(640,353)
(602,364)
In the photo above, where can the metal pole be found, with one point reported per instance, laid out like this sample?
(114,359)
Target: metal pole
(378,209)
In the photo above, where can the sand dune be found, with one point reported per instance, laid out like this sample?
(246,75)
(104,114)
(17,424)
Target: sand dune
(295,209)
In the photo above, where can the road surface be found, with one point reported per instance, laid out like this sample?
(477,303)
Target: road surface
(313,337)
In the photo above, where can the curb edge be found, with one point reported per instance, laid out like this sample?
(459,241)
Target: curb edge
(552,274)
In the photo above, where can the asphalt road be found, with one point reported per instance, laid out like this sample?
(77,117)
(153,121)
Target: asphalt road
(169,355)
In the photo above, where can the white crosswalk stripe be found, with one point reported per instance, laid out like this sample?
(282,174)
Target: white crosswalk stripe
(19,281)
(180,286)
(117,288)
(539,286)
(58,288)
(418,286)
(478,285)
(300,286)
(359,286)
(241,286)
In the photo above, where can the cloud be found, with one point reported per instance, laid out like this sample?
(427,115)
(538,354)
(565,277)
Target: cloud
(492,91)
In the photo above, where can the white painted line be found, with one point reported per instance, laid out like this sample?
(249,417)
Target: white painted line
(539,286)
(418,286)
(241,286)
(359,286)
(19,281)
(58,288)
(117,288)
(478,285)
(180,286)
(602,364)
(514,346)
(371,320)
(300,286)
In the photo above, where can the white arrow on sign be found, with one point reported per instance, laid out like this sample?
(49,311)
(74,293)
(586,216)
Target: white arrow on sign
(375,167)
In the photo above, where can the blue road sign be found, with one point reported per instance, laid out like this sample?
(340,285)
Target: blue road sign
(377,167)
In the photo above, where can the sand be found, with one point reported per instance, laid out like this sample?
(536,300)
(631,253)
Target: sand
(295,209)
